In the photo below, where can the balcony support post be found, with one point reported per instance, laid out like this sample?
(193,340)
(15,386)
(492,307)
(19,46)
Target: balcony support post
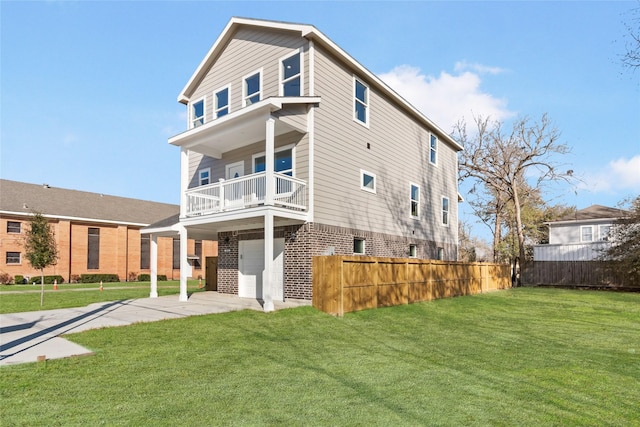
(153,293)
(269,160)
(184,180)
(185,268)
(267,278)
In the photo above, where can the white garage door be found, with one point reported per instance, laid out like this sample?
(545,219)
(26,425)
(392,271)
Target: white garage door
(251,268)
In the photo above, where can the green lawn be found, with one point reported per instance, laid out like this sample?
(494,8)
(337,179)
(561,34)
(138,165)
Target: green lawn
(521,357)
(80,295)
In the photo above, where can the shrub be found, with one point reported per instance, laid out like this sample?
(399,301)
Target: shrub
(147,277)
(75,278)
(95,278)
(133,276)
(5,279)
(19,279)
(48,280)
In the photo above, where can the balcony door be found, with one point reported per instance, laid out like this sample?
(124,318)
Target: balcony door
(234,170)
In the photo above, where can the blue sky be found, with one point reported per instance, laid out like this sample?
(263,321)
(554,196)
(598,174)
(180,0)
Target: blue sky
(88,89)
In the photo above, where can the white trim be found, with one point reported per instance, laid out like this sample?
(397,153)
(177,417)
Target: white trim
(292,147)
(592,236)
(435,150)
(442,211)
(230,165)
(375,183)
(76,218)
(367,103)
(260,73)
(214,103)
(204,112)
(411,185)
(281,81)
(312,68)
(200,171)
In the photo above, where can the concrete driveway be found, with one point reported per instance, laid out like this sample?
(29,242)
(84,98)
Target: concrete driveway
(36,335)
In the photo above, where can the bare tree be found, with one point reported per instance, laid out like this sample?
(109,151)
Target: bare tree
(507,163)
(625,238)
(631,57)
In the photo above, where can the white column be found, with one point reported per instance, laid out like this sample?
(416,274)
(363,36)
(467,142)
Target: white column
(154,267)
(184,180)
(184,264)
(269,158)
(267,277)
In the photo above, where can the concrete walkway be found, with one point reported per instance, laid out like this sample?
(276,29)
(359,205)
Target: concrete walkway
(28,337)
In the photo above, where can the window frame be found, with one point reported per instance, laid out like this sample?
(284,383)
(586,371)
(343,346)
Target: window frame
(7,258)
(601,237)
(584,227)
(9,228)
(364,245)
(200,179)
(193,119)
(366,103)
(291,147)
(445,214)
(433,149)
(245,95)
(300,75)
(412,201)
(375,181)
(216,107)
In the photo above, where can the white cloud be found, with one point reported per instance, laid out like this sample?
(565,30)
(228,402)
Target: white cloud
(447,98)
(478,68)
(620,174)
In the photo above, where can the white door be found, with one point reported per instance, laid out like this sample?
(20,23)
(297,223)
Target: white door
(234,170)
(251,267)
(234,192)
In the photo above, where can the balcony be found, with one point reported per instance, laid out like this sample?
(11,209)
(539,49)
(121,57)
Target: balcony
(247,192)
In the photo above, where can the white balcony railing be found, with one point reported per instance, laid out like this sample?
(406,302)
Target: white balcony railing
(246,192)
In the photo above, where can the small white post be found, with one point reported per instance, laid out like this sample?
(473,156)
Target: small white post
(184,264)
(267,277)
(221,180)
(154,267)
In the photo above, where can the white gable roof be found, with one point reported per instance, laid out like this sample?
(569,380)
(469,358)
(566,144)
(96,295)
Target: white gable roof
(312,33)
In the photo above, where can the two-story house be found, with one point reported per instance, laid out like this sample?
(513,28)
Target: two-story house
(580,236)
(294,149)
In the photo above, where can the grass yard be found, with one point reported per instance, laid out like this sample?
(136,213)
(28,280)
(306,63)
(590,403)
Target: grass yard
(19,298)
(525,357)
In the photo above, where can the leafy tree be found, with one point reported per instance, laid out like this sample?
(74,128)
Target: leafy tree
(40,247)
(509,165)
(625,238)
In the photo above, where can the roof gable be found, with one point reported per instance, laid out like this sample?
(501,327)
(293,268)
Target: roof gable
(594,212)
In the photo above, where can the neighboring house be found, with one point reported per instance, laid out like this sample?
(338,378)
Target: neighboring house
(94,233)
(294,149)
(580,236)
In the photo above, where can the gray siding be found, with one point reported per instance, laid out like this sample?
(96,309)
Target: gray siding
(398,155)
(563,234)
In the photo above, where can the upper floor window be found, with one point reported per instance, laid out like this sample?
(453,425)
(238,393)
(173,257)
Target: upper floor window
(367,181)
(360,102)
(415,201)
(586,233)
(445,211)
(197,113)
(205,176)
(605,230)
(433,149)
(13,258)
(221,102)
(252,89)
(290,76)
(282,162)
(14,227)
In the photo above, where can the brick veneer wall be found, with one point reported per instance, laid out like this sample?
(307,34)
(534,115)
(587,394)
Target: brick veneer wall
(312,239)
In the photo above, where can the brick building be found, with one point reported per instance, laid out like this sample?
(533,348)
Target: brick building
(95,233)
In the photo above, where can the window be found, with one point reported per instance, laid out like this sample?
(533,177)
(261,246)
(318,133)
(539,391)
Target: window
(415,201)
(433,150)
(282,161)
(358,246)
(93,249)
(445,211)
(14,227)
(413,251)
(440,255)
(196,262)
(13,258)
(176,254)
(197,113)
(360,102)
(290,76)
(205,176)
(604,232)
(252,89)
(221,102)
(367,181)
(145,252)
(586,233)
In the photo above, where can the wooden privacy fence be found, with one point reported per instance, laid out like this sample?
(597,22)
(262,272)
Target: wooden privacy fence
(578,273)
(342,284)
